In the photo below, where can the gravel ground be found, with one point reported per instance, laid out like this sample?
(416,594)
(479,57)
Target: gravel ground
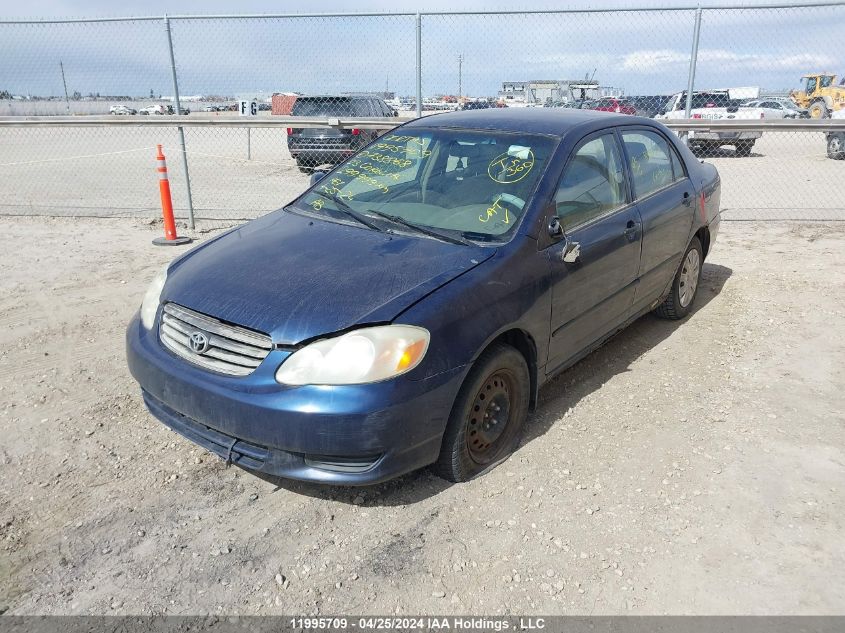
(693,467)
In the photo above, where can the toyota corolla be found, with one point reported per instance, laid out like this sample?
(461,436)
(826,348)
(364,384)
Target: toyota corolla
(406,309)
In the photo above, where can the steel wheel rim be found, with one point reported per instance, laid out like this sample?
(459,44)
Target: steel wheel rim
(489,416)
(688,281)
(835,144)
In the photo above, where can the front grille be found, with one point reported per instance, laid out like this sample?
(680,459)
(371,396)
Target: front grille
(231,350)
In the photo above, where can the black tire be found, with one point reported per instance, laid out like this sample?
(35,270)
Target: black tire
(836,146)
(677,305)
(709,149)
(304,166)
(818,110)
(743,148)
(474,441)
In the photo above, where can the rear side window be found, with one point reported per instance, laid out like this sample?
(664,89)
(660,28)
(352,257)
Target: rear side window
(322,106)
(361,107)
(649,161)
(593,184)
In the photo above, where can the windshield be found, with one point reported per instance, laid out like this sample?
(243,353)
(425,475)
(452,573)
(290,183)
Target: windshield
(473,184)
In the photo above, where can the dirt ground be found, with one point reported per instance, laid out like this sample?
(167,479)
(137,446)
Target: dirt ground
(693,467)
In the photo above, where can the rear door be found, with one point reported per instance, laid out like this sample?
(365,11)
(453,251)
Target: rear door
(593,294)
(665,197)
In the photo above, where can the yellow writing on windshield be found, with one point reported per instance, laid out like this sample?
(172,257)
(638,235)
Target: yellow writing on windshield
(335,188)
(494,209)
(356,173)
(419,140)
(385,159)
(507,169)
(403,149)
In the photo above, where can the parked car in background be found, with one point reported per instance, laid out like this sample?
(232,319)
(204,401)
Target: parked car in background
(614,104)
(122,110)
(155,108)
(648,106)
(481,104)
(836,140)
(717,105)
(209,108)
(315,146)
(406,309)
(787,109)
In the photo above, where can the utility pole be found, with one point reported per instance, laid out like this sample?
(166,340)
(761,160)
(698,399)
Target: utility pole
(64,83)
(460,68)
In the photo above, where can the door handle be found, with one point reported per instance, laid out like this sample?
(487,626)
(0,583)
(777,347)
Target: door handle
(632,229)
(687,198)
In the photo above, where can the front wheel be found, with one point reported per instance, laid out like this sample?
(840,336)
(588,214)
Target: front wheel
(488,415)
(836,146)
(819,110)
(685,284)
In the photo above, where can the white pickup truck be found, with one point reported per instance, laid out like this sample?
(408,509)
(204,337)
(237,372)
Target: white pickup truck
(717,105)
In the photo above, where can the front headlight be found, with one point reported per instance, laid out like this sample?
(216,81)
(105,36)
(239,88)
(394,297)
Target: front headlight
(149,306)
(361,356)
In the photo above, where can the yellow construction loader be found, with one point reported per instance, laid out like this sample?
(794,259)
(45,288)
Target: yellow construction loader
(820,95)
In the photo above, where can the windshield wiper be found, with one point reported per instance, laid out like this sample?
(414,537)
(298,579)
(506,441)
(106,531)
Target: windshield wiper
(347,210)
(421,229)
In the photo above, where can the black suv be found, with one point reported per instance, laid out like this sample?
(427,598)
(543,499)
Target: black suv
(313,146)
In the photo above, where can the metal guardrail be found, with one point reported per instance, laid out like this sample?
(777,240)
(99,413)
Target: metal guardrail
(748,125)
(200,121)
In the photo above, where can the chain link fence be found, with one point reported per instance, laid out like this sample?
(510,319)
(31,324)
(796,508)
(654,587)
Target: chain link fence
(741,63)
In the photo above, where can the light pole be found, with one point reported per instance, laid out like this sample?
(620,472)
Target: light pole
(460,68)
(64,83)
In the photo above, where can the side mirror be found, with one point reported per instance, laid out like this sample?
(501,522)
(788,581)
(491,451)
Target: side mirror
(316,176)
(555,228)
(396,113)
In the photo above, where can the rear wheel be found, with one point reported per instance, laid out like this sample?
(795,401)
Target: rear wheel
(818,110)
(685,284)
(836,146)
(743,148)
(488,415)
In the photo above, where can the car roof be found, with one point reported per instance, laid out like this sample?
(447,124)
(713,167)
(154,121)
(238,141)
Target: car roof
(553,121)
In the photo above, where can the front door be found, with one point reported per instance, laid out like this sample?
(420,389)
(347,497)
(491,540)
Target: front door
(592,294)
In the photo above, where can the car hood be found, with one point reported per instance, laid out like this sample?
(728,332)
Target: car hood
(297,278)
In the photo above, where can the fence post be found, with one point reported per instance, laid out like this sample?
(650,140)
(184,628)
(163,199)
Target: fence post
(419,65)
(692,61)
(181,130)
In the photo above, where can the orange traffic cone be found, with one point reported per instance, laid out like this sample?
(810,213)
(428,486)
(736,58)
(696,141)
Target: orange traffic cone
(170,238)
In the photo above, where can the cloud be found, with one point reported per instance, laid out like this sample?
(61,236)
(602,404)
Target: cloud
(657,61)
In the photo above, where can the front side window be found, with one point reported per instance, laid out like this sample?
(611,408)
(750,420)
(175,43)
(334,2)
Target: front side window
(474,184)
(649,161)
(593,184)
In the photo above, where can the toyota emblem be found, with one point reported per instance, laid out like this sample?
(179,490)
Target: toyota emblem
(199,342)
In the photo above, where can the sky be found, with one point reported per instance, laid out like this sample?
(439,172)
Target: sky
(637,52)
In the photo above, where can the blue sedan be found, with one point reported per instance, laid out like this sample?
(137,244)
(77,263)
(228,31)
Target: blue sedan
(406,309)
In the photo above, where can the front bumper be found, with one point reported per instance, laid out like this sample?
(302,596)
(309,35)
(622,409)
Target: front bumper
(346,435)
